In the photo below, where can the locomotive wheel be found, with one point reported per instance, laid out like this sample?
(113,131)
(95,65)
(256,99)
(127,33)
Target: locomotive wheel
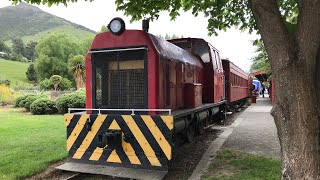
(200,128)
(191,132)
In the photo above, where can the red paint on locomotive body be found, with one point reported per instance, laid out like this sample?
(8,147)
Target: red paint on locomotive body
(88,82)
(128,38)
(237,82)
(212,75)
(168,67)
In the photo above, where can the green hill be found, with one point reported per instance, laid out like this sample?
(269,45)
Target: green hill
(31,23)
(15,72)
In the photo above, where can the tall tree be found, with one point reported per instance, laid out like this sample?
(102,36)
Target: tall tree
(18,46)
(54,51)
(168,37)
(260,61)
(294,54)
(103,29)
(30,51)
(86,43)
(4,48)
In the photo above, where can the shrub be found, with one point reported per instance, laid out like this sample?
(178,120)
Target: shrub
(55,80)
(43,106)
(7,95)
(15,57)
(23,101)
(23,59)
(65,84)
(5,82)
(46,84)
(31,73)
(19,100)
(74,100)
(30,99)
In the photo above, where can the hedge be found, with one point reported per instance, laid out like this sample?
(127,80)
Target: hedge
(29,100)
(74,100)
(23,101)
(43,106)
(18,100)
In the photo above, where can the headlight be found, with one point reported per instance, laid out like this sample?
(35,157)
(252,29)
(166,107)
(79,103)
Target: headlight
(116,26)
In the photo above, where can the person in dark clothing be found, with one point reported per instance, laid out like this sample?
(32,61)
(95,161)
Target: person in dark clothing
(263,89)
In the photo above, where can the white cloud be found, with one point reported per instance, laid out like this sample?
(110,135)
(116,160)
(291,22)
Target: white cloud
(232,44)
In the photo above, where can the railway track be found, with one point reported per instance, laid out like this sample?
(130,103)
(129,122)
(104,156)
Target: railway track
(77,176)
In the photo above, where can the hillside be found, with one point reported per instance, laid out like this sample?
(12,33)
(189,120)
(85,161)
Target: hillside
(14,71)
(31,23)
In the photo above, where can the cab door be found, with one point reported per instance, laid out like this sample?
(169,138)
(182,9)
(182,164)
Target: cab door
(218,75)
(221,77)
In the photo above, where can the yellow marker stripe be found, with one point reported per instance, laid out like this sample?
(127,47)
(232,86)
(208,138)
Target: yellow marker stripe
(76,131)
(89,137)
(114,157)
(168,120)
(67,119)
(157,134)
(114,125)
(141,140)
(127,148)
(96,154)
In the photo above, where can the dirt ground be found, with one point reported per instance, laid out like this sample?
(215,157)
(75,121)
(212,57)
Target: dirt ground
(183,163)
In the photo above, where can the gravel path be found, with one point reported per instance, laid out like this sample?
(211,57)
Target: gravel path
(257,132)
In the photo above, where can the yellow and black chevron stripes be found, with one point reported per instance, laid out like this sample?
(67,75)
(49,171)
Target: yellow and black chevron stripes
(120,140)
(144,144)
(88,139)
(164,144)
(76,131)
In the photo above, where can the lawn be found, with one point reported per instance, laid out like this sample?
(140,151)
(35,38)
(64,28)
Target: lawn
(29,143)
(236,165)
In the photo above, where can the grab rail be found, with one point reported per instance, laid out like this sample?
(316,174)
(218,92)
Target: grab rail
(132,110)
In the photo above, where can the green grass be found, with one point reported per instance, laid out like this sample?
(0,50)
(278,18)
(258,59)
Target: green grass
(16,73)
(13,70)
(236,165)
(29,143)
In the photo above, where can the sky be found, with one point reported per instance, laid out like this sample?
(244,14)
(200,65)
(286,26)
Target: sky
(232,44)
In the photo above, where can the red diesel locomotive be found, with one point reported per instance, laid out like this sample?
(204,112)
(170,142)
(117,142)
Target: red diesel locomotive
(144,96)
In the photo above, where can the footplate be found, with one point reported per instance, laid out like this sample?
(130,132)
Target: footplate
(113,171)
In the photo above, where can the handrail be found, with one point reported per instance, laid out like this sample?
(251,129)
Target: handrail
(132,110)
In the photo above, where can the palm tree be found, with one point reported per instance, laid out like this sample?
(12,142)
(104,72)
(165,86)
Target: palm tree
(76,68)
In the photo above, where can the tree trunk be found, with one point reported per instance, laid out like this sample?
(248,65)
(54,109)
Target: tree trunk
(293,59)
(297,120)
(79,80)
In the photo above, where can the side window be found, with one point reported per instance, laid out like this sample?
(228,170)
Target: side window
(218,60)
(214,58)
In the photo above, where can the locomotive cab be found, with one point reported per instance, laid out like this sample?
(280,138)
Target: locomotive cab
(213,83)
